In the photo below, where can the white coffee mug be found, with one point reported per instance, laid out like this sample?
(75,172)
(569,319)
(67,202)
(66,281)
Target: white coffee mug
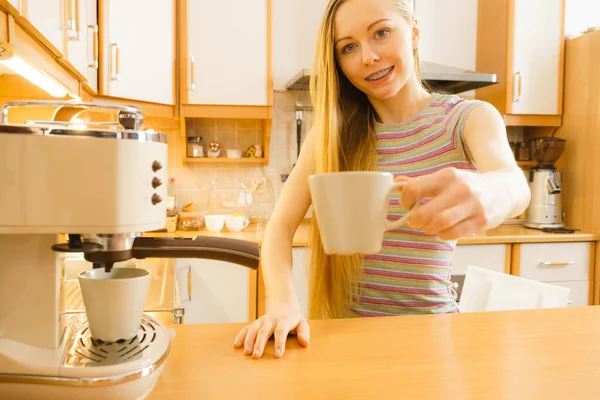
(351,210)
(114,301)
(235,223)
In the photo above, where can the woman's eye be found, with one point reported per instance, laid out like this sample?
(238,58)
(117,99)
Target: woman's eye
(381,33)
(348,48)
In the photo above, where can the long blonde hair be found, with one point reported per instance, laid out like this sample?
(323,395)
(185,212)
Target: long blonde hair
(343,125)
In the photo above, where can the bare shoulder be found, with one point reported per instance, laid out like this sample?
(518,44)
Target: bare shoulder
(484,120)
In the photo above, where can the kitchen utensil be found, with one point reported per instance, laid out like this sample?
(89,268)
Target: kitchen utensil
(351,210)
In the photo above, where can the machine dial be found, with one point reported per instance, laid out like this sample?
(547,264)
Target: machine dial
(156,182)
(156,166)
(156,199)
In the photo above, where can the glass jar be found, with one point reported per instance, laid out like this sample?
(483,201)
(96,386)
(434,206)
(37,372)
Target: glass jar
(523,153)
(195,149)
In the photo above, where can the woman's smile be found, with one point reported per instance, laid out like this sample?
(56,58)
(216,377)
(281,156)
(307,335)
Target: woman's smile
(380,76)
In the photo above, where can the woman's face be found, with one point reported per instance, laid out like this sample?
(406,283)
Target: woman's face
(374,46)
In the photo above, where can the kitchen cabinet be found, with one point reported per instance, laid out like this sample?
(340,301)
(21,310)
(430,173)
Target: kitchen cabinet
(214,291)
(138,51)
(51,18)
(225,51)
(564,264)
(522,41)
(82,41)
(495,257)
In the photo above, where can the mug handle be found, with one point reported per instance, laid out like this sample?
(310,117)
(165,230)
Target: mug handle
(398,223)
(246,222)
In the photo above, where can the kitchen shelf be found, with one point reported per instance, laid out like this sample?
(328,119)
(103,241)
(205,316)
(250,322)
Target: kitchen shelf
(526,164)
(224,160)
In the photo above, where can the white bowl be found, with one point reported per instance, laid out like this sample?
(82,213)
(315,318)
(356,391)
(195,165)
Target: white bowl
(234,153)
(215,222)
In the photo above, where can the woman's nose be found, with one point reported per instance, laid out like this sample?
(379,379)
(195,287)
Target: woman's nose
(369,56)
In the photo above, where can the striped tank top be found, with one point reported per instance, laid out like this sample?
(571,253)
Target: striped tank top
(411,274)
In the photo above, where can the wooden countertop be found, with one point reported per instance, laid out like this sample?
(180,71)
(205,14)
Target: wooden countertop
(502,234)
(534,354)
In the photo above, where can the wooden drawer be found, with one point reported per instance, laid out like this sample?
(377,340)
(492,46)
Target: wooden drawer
(553,262)
(489,256)
(580,292)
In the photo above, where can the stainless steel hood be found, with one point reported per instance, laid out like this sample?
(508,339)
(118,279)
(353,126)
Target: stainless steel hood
(440,78)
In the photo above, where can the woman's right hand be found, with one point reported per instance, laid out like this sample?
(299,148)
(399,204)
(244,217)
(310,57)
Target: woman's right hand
(281,321)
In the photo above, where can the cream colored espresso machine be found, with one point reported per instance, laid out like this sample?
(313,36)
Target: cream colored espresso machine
(101,188)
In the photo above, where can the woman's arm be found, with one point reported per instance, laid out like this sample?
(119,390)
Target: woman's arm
(464,202)
(276,252)
(284,314)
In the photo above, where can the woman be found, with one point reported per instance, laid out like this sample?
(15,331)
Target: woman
(372,113)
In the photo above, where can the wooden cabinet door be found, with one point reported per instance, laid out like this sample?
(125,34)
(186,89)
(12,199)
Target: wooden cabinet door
(227,52)
(218,293)
(49,17)
(535,82)
(141,50)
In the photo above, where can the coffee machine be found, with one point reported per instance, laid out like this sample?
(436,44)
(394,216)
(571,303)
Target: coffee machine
(545,207)
(101,188)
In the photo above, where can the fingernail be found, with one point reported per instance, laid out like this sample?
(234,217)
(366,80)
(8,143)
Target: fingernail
(248,349)
(256,353)
(278,352)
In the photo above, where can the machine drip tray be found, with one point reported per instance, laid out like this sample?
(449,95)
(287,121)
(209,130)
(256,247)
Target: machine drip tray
(85,351)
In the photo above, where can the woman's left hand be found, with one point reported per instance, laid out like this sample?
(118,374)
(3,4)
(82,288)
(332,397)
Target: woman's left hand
(461,202)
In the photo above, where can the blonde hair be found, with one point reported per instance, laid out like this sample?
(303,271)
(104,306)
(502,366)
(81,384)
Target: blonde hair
(343,124)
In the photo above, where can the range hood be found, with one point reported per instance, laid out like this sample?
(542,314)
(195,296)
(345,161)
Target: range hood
(440,78)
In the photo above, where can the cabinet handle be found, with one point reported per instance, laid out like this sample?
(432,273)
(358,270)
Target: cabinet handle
(192,75)
(78,37)
(115,59)
(66,11)
(555,263)
(189,285)
(517,86)
(94,63)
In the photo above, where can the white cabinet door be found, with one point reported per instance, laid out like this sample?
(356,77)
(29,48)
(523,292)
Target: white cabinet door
(219,291)
(295,27)
(536,57)
(83,41)
(489,256)
(227,52)
(48,17)
(562,264)
(141,53)
(448,32)
(553,262)
(579,296)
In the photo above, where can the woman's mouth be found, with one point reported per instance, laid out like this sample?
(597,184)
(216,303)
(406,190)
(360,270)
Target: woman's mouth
(377,76)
